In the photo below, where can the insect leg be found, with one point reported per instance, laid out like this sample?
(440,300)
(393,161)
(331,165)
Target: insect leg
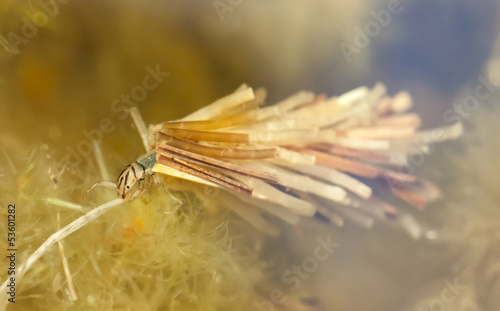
(105,183)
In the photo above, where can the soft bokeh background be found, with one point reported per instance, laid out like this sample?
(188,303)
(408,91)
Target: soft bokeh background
(64,79)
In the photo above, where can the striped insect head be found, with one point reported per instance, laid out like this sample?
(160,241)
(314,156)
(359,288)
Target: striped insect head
(130,177)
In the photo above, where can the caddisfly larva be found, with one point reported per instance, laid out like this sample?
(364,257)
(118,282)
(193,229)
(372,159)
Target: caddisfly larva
(137,173)
(301,156)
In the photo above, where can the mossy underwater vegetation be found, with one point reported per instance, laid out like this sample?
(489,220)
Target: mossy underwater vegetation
(161,252)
